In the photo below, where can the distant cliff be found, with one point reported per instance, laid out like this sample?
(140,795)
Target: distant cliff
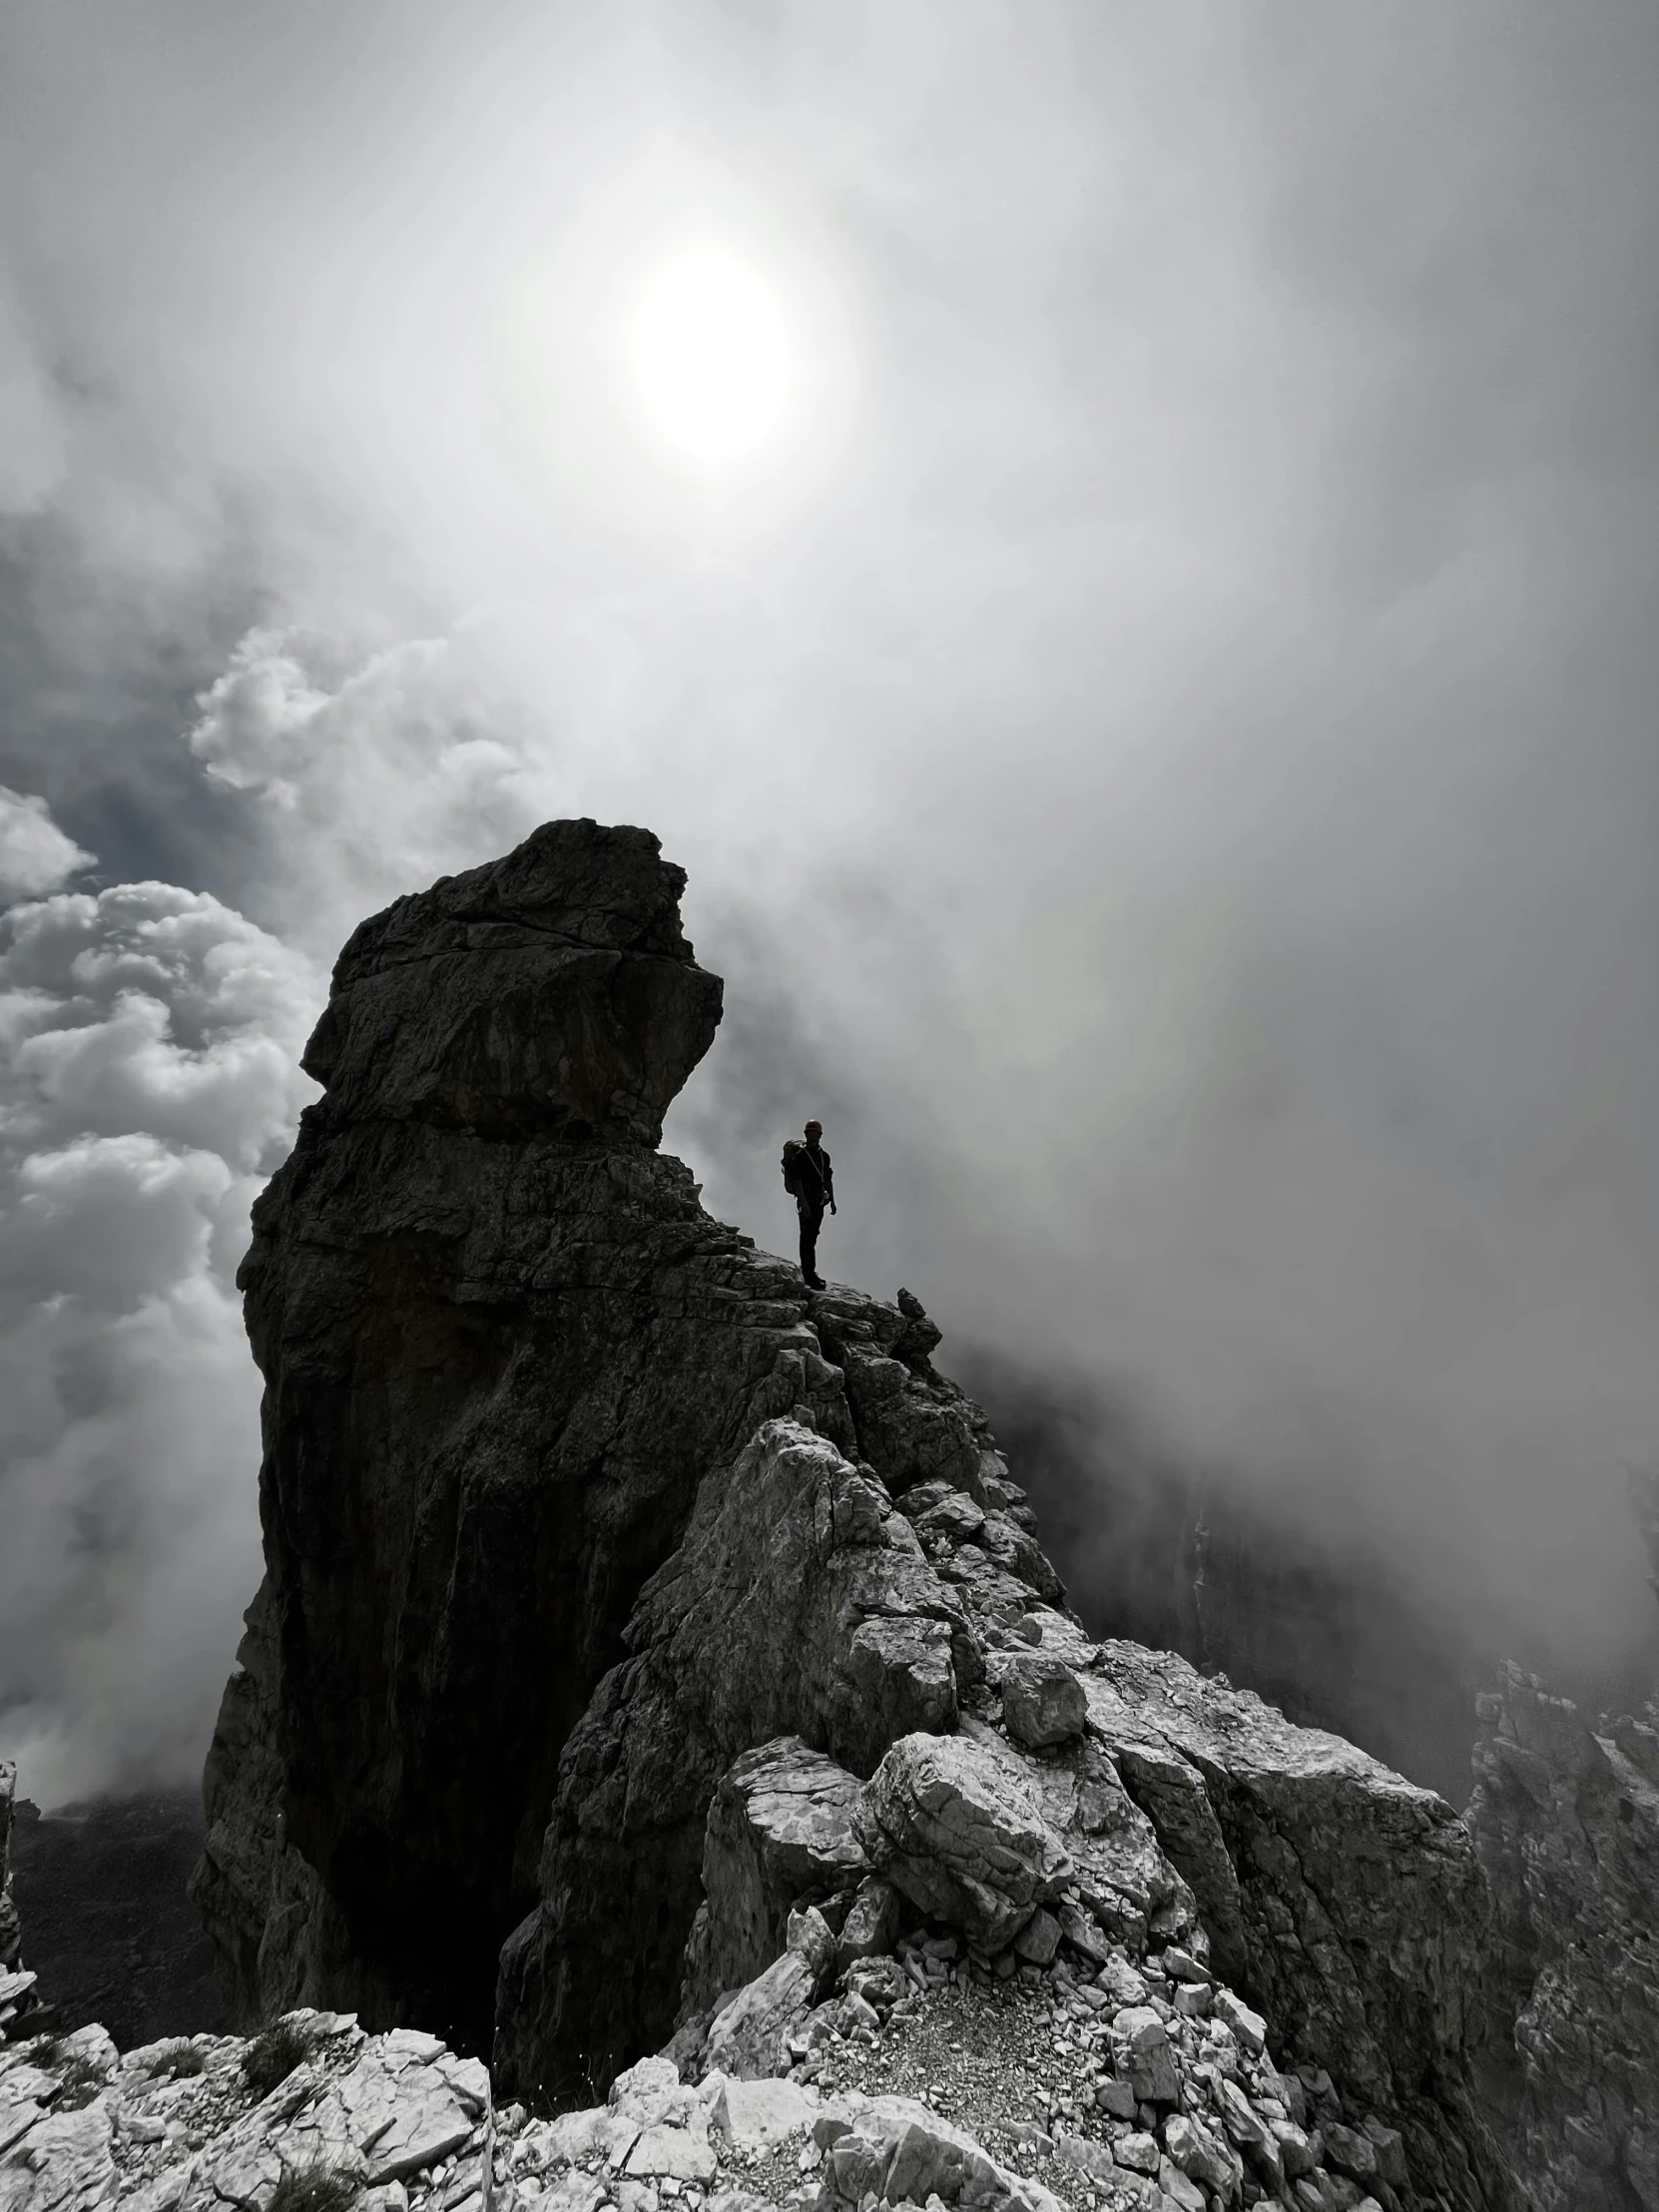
(1566,1821)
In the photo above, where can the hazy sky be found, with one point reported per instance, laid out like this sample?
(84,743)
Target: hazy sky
(1161,731)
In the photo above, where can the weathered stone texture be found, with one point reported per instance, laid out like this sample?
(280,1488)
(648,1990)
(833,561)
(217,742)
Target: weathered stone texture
(1342,1901)
(779,1830)
(191,2125)
(798,1605)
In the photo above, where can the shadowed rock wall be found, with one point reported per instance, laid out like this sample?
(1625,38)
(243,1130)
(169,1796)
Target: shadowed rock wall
(1566,1820)
(502,1343)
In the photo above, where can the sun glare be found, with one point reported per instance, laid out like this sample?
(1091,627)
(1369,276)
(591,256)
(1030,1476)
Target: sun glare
(712,357)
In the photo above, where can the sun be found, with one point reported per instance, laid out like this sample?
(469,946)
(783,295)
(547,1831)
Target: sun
(712,357)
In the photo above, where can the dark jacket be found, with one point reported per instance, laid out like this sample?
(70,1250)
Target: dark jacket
(814,1179)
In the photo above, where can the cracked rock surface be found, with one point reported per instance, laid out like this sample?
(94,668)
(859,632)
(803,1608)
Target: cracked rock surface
(218,2124)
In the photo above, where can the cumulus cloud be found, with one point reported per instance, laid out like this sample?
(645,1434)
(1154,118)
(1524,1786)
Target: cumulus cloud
(369,777)
(35,855)
(148,1041)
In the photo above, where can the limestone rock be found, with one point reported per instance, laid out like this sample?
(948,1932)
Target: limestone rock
(190,2125)
(1343,1904)
(1198,2154)
(747,2035)
(1137,2152)
(633,1616)
(1144,2058)
(1042,1700)
(960,1838)
(753,2116)
(872,1924)
(901,2152)
(502,1345)
(779,1828)
(798,1604)
(21,2008)
(550,992)
(506,1350)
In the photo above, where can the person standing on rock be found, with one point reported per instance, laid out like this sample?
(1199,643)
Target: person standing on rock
(809,1176)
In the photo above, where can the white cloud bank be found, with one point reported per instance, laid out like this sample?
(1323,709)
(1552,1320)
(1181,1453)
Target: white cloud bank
(148,1086)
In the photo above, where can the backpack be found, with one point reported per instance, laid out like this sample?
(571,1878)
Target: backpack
(792,1149)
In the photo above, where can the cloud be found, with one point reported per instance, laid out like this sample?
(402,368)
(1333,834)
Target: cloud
(1169,776)
(412,761)
(148,1041)
(35,855)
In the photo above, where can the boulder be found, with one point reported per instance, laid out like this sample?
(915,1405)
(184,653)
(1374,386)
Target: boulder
(755,2115)
(1042,1700)
(1121,1982)
(902,2152)
(1178,2190)
(1251,2132)
(1142,2056)
(780,1827)
(960,1838)
(1135,2153)
(872,1922)
(1200,2157)
(750,2032)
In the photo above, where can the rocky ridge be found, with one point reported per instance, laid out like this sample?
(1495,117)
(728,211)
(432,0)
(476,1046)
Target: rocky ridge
(652,1654)
(590,1534)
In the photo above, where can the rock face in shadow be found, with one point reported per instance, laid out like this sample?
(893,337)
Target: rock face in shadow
(1566,1818)
(502,1345)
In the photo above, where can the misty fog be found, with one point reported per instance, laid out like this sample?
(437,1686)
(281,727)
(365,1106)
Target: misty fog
(1160,734)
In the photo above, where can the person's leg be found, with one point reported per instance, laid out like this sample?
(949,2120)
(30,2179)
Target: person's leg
(811,1221)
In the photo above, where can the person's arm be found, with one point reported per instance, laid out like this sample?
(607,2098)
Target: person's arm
(829,1182)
